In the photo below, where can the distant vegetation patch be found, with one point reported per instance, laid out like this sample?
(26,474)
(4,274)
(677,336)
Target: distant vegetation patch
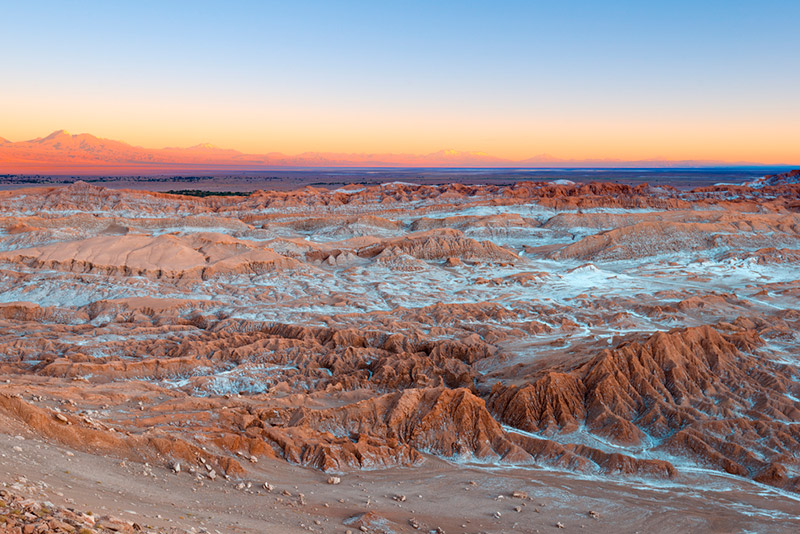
(199,193)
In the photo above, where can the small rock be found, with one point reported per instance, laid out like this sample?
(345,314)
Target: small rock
(268,486)
(559,525)
(593,514)
(55,524)
(519,495)
(334,480)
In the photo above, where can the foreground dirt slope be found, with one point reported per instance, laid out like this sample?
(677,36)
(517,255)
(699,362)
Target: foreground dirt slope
(640,340)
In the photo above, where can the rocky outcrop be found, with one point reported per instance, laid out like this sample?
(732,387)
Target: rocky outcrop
(440,245)
(683,390)
(166,256)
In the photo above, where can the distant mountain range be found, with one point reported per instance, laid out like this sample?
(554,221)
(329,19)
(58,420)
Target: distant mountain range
(65,153)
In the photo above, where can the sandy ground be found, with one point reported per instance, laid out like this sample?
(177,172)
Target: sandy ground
(463,499)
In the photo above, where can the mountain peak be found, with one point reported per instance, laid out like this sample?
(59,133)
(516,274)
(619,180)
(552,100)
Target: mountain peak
(62,139)
(204,146)
(56,135)
(451,152)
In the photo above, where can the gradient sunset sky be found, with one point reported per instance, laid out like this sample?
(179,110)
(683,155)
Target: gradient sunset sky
(630,80)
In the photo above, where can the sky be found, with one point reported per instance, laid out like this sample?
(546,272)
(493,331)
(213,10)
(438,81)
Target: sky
(702,80)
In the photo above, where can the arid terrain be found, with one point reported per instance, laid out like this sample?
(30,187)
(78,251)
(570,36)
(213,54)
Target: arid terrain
(402,358)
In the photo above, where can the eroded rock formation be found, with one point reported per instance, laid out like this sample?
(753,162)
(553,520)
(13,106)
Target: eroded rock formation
(372,327)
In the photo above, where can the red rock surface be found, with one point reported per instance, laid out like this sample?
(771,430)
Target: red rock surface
(601,329)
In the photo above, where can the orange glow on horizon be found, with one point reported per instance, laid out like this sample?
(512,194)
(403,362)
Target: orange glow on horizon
(560,142)
(576,135)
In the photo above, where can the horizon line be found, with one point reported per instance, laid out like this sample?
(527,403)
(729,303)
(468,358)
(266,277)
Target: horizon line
(217,159)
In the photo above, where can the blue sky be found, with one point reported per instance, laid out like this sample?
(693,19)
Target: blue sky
(626,79)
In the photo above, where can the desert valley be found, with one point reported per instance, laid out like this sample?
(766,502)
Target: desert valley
(402,358)
(350,267)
